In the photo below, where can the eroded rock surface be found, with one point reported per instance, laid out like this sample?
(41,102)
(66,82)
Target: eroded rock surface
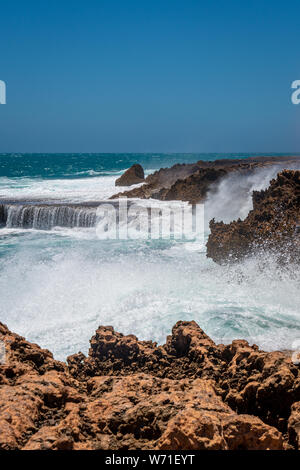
(274,223)
(191,182)
(128,394)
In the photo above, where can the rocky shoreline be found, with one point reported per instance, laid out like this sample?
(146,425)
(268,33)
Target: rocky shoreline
(128,394)
(273,224)
(188,394)
(191,182)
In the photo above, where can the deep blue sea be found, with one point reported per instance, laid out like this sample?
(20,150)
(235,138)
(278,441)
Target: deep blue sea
(58,285)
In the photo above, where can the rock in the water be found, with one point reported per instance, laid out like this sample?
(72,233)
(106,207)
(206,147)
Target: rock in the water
(134,175)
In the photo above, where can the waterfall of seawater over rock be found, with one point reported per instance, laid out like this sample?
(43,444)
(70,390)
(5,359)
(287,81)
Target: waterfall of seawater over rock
(46,217)
(57,286)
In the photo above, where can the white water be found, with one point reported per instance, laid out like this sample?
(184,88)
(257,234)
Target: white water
(232,198)
(57,286)
(72,190)
(59,294)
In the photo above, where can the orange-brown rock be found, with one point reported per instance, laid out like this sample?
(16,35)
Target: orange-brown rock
(34,389)
(262,383)
(294,425)
(273,223)
(128,394)
(218,430)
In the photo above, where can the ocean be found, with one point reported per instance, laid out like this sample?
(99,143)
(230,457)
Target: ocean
(59,283)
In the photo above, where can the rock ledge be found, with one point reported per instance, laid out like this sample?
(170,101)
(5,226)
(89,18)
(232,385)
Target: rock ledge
(128,394)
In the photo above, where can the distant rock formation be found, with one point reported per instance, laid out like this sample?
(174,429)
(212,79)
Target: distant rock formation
(128,394)
(273,223)
(191,182)
(134,175)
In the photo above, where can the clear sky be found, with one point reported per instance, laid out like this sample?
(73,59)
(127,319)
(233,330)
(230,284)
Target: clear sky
(149,76)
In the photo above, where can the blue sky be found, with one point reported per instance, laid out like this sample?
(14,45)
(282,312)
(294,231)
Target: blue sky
(149,76)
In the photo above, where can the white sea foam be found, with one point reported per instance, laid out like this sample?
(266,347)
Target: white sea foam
(74,190)
(232,198)
(57,294)
(57,286)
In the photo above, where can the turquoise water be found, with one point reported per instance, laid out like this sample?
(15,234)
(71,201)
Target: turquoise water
(58,285)
(89,165)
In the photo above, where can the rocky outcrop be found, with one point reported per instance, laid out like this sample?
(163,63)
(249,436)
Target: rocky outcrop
(34,390)
(294,425)
(191,182)
(216,427)
(134,175)
(274,223)
(194,188)
(128,394)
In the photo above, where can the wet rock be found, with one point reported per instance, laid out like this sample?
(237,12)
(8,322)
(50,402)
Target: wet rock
(134,175)
(193,188)
(191,182)
(271,224)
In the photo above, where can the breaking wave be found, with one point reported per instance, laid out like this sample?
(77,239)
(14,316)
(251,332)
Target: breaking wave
(232,197)
(59,282)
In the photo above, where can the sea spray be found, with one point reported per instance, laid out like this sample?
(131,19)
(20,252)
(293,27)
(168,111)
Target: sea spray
(231,199)
(57,292)
(57,286)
